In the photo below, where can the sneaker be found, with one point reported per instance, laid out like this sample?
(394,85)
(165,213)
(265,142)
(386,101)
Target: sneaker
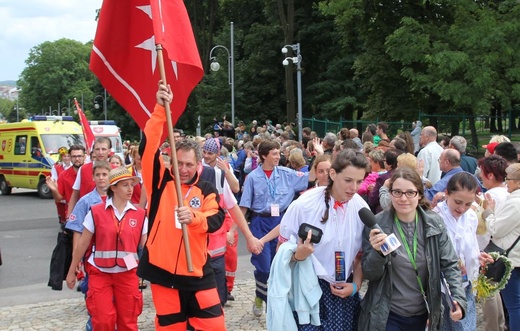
(79,286)
(230,297)
(258,307)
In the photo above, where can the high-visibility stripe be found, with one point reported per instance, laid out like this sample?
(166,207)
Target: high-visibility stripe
(112,254)
(217,251)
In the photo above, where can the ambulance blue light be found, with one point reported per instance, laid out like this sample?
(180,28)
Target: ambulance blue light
(51,118)
(107,122)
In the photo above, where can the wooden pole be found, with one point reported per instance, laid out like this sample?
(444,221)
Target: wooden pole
(175,166)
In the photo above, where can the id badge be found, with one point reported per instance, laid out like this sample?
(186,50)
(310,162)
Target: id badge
(178,224)
(340,266)
(130,261)
(275,209)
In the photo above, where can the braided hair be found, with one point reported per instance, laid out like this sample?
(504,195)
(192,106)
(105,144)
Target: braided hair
(343,159)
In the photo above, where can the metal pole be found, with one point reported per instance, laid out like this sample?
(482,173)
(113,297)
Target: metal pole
(17,112)
(232,78)
(299,86)
(68,108)
(105,104)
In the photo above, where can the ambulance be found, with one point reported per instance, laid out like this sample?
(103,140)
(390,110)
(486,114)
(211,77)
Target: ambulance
(109,129)
(30,148)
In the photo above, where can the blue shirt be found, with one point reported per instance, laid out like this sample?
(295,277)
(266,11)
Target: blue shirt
(441,184)
(81,210)
(260,192)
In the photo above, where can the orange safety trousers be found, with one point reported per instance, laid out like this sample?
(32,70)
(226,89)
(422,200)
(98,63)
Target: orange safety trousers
(231,260)
(174,308)
(114,299)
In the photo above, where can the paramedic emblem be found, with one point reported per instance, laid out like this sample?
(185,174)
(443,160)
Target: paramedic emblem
(195,202)
(132,222)
(4,143)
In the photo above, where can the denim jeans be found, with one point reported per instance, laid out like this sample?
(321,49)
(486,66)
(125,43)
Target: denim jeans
(511,297)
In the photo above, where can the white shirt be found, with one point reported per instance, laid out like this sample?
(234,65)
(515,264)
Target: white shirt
(462,232)
(217,168)
(54,172)
(499,195)
(342,231)
(430,154)
(88,223)
(77,183)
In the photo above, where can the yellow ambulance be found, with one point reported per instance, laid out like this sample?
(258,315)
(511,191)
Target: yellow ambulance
(29,149)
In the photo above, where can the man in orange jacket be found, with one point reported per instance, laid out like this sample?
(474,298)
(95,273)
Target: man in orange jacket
(179,296)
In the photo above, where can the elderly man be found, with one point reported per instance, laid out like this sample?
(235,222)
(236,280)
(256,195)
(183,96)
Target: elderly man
(354,135)
(328,143)
(430,154)
(467,163)
(449,163)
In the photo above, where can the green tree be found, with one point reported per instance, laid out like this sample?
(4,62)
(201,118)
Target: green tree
(53,71)
(7,107)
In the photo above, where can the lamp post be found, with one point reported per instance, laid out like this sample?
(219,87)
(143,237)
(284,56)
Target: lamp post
(215,66)
(297,60)
(104,101)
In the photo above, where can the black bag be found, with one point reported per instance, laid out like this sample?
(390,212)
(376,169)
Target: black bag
(497,269)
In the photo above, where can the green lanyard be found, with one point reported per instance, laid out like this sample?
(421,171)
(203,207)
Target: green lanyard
(410,256)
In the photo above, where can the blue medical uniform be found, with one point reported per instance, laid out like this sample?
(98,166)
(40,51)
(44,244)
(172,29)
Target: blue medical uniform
(259,194)
(75,222)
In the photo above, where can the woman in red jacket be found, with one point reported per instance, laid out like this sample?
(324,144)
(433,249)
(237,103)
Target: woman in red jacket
(116,228)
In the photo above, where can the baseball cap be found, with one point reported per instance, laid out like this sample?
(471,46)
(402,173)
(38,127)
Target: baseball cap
(491,147)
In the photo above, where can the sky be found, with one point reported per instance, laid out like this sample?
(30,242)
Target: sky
(25,24)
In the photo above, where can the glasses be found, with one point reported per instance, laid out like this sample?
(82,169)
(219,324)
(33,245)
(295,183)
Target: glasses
(77,156)
(511,178)
(408,194)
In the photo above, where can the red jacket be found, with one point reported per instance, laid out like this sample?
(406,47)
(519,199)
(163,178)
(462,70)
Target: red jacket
(87,183)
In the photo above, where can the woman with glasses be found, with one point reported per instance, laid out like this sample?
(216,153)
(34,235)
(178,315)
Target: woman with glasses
(404,289)
(461,222)
(503,223)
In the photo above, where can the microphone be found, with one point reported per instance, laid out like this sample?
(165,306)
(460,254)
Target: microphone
(369,219)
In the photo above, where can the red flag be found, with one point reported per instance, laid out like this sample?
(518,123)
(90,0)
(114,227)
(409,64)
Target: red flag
(124,57)
(87,130)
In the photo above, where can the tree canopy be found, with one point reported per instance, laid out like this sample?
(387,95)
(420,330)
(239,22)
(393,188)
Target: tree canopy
(385,60)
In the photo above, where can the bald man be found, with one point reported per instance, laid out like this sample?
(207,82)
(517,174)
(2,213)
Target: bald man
(354,136)
(449,163)
(430,154)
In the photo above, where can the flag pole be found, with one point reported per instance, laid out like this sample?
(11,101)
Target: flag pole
(175,166)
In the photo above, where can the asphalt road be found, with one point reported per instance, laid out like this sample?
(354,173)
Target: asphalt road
(28,230)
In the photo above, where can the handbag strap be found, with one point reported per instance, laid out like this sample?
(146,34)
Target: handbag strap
(506,253)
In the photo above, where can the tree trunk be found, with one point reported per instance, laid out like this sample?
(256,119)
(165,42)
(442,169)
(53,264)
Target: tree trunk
(492,119)
(499,117)
(473,131)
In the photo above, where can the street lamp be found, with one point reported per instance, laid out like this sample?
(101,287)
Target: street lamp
(104,100)
(215,66)
(297,60)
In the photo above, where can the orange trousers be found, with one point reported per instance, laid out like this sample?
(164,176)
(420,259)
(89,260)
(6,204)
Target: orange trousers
(114,299)
(174,308)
